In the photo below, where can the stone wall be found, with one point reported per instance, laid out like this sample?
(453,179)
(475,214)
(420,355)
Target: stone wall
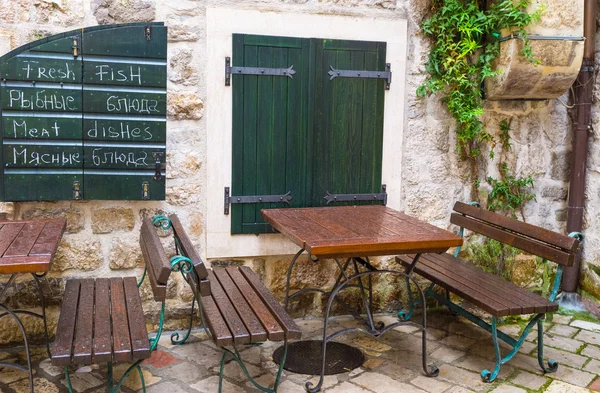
(101,238)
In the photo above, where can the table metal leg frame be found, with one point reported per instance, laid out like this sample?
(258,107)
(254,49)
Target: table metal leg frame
(343,276)
(430,371)
(14,314)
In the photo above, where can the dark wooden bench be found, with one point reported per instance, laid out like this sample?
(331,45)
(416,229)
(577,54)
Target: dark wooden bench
(102,321)
(490,292)
(236,307)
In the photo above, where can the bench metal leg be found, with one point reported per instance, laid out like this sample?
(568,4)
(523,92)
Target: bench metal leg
(552,364)
(175,335)
(486,375)
(68,379)
(235,355)
(28,370)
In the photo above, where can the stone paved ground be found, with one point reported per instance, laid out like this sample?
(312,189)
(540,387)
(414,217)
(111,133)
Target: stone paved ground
(458,348)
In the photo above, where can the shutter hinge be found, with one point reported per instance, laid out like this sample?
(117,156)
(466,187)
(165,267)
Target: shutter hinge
(75,47)
(358,197)
(288,72)
(387,74)
(76,190)
(145,191)
(285,198)
(148,31)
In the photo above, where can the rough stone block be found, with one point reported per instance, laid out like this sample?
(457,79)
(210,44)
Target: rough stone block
(118,11)
(75,217)
(184,106)
(106,220)
(78,254)
(125,254)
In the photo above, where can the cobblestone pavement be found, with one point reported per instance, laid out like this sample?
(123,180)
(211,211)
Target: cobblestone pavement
(460,350)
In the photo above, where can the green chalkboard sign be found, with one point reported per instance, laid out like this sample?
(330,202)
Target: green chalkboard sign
(83,115)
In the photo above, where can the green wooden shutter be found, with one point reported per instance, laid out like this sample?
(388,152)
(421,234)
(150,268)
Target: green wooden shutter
(124,101)
(347,137)
(41,122)
(270,115)
(85,107)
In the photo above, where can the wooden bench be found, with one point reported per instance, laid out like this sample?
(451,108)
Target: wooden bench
(490,292)
(235,306)
(102,321)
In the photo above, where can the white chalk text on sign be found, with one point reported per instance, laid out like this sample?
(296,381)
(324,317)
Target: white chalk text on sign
(110,73)
(103,156)
(123,132)
(34,71)
(30,156)
(20,130)
(41,100)
(131,105)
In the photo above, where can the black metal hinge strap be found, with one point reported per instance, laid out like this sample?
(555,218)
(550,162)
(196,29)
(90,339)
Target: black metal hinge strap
(289,72)
(358,197)
(285,198)
(157,165)
(387,74)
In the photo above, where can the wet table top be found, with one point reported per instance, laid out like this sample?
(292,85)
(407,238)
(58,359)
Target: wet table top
(347,231)
(29,246)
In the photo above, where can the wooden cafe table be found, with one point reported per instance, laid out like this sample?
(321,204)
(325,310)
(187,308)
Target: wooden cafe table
(356,233)
(28,247)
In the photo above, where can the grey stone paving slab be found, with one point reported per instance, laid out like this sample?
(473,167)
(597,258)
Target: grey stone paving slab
(564,357)
(430,384)
(562,319)
(398,371)
(166,387)
(478,364)
(573,376)
(568,344)
(185,372)
(384,384)
(198,353)
(459,342)
(462,377)
(593,366)
(561,387)
(347,387)
(588,337)
(447,355)
(586,325)
(211,385)
(563,330)
(508,389)
(592,351)
(529,380)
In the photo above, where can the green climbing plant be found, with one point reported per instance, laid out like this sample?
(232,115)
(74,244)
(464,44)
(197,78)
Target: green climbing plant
(465,38)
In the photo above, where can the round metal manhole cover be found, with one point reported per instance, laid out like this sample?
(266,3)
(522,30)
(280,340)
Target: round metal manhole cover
(305,357)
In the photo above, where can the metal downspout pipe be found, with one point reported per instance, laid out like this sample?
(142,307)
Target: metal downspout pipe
(583,90)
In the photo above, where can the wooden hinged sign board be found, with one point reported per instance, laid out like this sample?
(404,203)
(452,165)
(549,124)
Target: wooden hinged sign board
(83,115)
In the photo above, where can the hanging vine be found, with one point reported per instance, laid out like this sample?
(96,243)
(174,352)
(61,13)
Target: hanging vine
(465,43)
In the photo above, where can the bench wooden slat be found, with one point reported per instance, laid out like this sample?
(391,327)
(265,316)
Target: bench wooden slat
(157,257)
(230,315)
(159,291)
(477,296)
(102,333)
(137,323)
(216,324)
(513,239)
(25,239)
(557,239)
(502,289)
(188,248)
(274,331)
(483,289)
(121,343)
(63,344)
(290,327)
(253,325)
(84,332)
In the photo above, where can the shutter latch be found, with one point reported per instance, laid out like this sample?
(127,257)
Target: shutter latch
(75,47)
(387,74)
(285,198)
(76,190)
(358,197)
(145,191)
(148,32)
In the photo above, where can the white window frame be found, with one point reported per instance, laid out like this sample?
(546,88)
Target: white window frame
(221,24)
